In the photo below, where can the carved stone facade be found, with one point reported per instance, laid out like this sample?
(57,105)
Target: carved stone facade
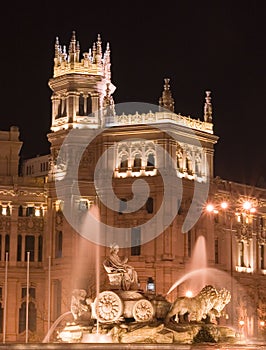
(32,214)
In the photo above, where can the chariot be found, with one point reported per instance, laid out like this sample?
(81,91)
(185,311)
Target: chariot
(124,302)
(112,306)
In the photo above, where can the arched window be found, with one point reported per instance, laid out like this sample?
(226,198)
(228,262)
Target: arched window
(189,166)
(137,162)
(124,163)
(58,244)
(19,248)
(32,317)
(198,166)
(149,205)
(151,160)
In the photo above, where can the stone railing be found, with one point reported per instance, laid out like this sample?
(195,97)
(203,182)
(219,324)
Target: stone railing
(160,117)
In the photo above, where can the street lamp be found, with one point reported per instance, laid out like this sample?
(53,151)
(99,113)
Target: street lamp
(241,324)
(239,209)
(150,286)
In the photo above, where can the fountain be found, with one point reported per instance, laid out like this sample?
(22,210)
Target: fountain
(124,314)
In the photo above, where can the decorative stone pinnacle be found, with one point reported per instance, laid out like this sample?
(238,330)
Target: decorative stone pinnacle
(166,85)
(167,101)
(208,107)
(93,62)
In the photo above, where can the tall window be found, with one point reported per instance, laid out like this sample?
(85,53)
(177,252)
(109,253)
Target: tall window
(189,244)
(149,205)
(124,162)
(81,105)
(89,105)
(216,251)
(32,311)
(262,266)
(19,248)
(57,298)
(20,210)
(135,241)
(1,312)
(7,245)
(137,162)
(150,160)
(30,211)
(241,253)
(122,205)
(58,244)
(32,317)
(8,211)
(40,244)
(29,247)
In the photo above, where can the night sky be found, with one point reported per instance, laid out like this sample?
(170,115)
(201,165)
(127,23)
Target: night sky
(200,45)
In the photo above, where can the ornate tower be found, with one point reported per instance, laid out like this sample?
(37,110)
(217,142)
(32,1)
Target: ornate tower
(80,87)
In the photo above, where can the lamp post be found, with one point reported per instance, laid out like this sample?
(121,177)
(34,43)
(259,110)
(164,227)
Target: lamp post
(150,285)
(241,324)
(233,209)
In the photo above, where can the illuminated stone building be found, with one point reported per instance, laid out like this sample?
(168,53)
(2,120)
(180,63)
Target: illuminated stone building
(34,206)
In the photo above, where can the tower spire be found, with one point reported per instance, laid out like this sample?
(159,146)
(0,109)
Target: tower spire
(166,100)
(72,45)
(57,47)
(208,107)
(98,50)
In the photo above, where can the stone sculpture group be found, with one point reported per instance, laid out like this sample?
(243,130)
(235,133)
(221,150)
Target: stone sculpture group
(130,315)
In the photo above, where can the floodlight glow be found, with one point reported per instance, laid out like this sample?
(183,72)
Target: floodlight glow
(224,205)
(209,208)
(189,294)
(247,205)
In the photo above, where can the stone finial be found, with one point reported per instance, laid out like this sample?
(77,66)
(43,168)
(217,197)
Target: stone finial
(94,53)
(77,51)
(57,47)
(166,100)
(208,107)
(72,46)
(98,49)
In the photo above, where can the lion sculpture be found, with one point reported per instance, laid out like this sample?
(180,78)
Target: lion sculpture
(200,306)
(223,298)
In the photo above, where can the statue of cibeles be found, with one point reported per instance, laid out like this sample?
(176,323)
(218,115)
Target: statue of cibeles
(115,265)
